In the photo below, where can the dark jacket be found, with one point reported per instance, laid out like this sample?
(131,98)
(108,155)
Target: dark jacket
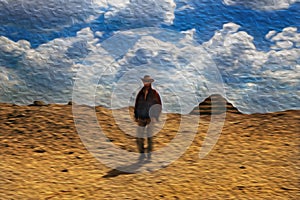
(143,105)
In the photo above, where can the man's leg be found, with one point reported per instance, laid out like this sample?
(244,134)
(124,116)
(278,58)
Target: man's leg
(150,129)
(140,138)
(149,148)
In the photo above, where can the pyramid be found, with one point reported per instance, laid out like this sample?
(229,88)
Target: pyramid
(214,104)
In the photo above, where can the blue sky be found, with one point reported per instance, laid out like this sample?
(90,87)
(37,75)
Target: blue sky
(255,45)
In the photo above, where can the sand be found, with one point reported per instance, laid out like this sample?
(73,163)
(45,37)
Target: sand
(42,157)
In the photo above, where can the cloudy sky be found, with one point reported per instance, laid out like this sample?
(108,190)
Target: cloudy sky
(254,45)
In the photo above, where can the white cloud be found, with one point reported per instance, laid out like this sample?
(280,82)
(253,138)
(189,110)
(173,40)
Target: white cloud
(288,38)
(184,5)
(11,52)
(118,3)
(45,72)
(255,79)
(143,13)
(99,33)
(262,4)
(270,34)
(37,15)
(234,50)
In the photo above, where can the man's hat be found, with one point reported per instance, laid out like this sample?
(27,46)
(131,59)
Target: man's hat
(147,78)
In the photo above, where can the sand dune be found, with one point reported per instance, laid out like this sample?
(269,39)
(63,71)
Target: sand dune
(42,157)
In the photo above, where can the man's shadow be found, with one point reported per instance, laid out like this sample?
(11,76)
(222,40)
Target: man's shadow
(123,170)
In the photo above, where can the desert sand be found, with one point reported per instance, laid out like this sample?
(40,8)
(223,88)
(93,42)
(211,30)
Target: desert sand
(42,157)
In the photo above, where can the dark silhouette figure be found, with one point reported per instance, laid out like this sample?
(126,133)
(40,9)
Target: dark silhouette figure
(147,109)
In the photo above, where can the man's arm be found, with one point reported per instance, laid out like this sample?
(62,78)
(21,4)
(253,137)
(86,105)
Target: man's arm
(158,106)
(136,106)
(158,98)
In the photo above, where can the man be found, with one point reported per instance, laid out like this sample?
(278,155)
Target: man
(146,112)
